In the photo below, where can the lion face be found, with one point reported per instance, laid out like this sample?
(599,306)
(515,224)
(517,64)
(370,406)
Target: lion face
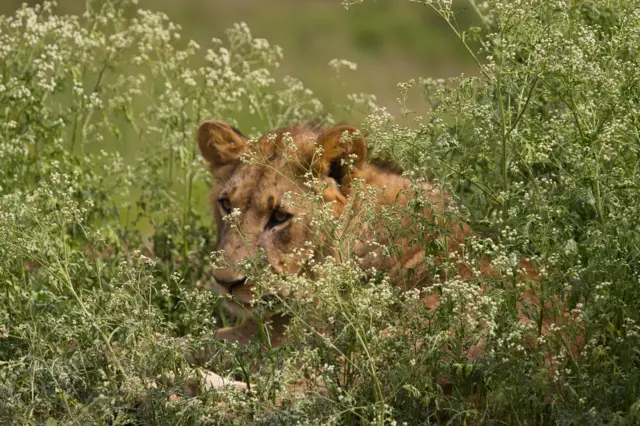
(255,224)
(260,208)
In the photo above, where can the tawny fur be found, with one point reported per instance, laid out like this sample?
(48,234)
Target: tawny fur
(285,157)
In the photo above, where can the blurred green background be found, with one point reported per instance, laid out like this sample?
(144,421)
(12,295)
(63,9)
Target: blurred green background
(390,40)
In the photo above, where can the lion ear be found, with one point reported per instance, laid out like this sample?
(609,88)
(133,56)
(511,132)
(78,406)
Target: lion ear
(221,145)
(344,153)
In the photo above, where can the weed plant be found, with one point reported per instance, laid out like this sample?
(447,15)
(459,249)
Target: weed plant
(105,266)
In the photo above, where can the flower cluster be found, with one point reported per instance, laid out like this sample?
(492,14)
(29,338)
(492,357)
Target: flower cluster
(106,313)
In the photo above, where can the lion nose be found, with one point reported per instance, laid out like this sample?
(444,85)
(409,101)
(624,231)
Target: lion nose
(230,285)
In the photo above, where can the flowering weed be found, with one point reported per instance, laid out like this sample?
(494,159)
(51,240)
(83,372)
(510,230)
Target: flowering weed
(107,314)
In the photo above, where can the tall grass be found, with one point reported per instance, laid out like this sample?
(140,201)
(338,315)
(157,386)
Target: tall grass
(98,319)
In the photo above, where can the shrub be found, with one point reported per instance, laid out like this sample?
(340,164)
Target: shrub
(105,265)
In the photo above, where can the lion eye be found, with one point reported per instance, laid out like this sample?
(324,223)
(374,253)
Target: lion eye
(225,204)
(278,217)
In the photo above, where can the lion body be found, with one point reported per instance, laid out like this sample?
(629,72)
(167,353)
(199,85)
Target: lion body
(250,198)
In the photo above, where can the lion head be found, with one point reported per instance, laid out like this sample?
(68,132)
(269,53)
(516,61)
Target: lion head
(252,180)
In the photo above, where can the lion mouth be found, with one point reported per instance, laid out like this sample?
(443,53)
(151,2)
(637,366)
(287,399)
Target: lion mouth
(239,294)
(233,287)
(244,295)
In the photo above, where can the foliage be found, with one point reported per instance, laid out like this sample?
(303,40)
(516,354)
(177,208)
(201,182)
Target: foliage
(105,265)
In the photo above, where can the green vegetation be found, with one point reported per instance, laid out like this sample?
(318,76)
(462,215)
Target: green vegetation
(390,41)
(105,263)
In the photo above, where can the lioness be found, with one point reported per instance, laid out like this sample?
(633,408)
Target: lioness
(253,220)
